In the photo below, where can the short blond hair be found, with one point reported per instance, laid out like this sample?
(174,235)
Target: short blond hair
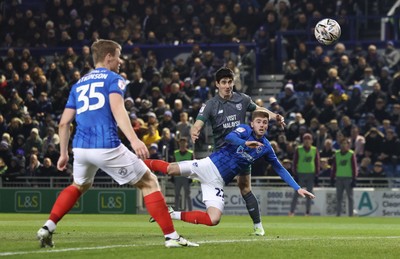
(101,48)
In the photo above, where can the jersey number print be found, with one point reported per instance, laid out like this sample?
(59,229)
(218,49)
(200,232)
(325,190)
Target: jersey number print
(85,97)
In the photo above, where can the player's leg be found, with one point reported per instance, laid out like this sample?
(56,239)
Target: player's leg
(188,199)
(178,184)
(350,197)
(212,190)
(213,198)
(157,165)
(157,208)
(309,187)
(295,198)
(83,175)
(339,196)
(244,183)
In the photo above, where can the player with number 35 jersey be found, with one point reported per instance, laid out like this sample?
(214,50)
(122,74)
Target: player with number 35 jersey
(89,97)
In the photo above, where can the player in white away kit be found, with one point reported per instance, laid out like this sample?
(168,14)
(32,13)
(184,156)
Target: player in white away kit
(96,102)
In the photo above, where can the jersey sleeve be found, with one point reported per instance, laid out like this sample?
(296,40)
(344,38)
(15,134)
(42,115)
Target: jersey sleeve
(205,111)
(239,135)
(251,105)
(71,102)
(117,85)
(271,157)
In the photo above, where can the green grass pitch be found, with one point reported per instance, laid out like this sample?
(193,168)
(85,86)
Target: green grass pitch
(131,236)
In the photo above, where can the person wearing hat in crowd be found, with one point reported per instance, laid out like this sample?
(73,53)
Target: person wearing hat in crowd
(156,95)
(343,175)
(289,101)
(391,56)
(318,95)
(306,168)
(34,140)
(188,87)
(167,122)
(154,152)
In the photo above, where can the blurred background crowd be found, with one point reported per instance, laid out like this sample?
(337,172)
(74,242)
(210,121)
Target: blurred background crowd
(349,90)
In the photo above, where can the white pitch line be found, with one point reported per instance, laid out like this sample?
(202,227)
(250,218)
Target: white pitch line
(259,239)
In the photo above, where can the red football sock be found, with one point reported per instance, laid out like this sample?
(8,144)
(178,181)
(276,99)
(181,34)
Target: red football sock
(196,217)
(156,165)
(64,203)
(158,209)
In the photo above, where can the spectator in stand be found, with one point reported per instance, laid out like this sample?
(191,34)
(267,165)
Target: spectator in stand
(380,110)
(358,74)
(304,77)
(338,52)
(385,79)
(319,95)
(167,144)
(188,88)
(373,143)
(155,96)
(345,70)
(357,142)
(152,136)
(203,91)
(391,56)
(339,98)
(289,101)
(368,81)
(346,125)
(138,87)
(374,59)
(389,156)
(344,172)
(175,94)
(310,110)
(376,94)
(355,106)
(328,111)
(167,122)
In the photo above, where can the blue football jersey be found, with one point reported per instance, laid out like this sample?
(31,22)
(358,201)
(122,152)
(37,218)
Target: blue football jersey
(232,158)
(96,126)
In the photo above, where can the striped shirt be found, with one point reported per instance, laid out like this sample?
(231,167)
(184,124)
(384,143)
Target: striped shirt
(96,126)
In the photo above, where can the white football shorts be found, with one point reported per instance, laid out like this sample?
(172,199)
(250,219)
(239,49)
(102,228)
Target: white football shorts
(119,163)
(211,181)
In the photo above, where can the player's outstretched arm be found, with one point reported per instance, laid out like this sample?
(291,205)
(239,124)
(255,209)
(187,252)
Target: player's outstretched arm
(64,133)
(304,193)
(195,130)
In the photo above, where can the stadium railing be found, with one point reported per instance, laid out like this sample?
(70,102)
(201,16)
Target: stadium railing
(108,182)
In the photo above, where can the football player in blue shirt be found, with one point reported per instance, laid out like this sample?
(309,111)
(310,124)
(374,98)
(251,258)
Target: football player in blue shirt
(96,102)
(243,146)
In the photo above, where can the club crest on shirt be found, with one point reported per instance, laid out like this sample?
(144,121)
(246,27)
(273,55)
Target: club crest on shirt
(239,106)
(122,171)
(121,84)
(240,129)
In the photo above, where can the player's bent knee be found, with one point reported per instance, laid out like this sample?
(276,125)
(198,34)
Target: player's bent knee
(83,187)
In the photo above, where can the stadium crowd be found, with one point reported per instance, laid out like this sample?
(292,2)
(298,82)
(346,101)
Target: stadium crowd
(346,93)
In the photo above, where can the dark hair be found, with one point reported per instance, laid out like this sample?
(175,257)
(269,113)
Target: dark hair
(224,72)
